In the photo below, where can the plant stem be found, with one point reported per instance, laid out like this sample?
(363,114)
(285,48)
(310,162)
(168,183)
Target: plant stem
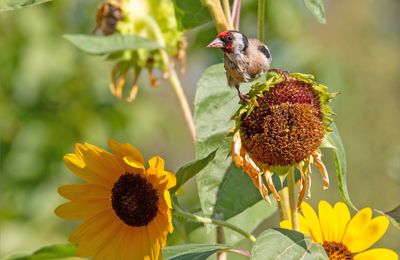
(284,209)
(261,19)
(176,85)
(206,220)
(292,200)
(221,240)
(236,14)
(239,252)
(227,11)
(217,14)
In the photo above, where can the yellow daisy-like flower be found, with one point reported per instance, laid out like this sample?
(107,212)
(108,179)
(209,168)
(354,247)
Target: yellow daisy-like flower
(125,208)
(342,236)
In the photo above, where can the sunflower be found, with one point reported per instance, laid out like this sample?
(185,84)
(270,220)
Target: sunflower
(282,126)
(125,208)
(343,237)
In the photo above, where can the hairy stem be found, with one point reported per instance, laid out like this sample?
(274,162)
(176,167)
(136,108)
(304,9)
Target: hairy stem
(292,200)
(176,85)
(217,14)
(261,19)
(284,208)
(227,11)
(221,240)
(193,217)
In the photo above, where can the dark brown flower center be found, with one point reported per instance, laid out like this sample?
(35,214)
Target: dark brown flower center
(134,200)
(337,251)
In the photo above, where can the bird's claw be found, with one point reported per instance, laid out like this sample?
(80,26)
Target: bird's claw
(282,72)
(244,98)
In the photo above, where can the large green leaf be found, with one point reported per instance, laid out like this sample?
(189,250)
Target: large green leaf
(191,251)
(316,7)
(8,5)
(106,44)
(340,162)
(224,190)
(48,252)
(191,169)
(286,244)
(190,14)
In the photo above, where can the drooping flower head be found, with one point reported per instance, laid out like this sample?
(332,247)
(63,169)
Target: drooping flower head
(124,207)
(342,236)
(153,20)
(283,125)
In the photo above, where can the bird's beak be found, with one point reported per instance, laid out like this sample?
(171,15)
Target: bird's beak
(217,43)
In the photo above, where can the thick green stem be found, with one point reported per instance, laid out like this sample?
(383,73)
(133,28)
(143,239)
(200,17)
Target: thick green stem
(292,200)
(179,210)
(284,208)
(176,85)
(227,12)
(261,19)
(217,14)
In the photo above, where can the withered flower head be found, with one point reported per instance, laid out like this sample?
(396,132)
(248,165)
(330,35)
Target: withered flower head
(283,125)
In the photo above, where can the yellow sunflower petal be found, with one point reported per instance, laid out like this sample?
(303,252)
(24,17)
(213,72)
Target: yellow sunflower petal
(356,225)
(79,167)
(304,226)
(89,247)
(111,246)
(91,226)
(122,150)
(84,192)
(156,165)
(371,233)
(81,210)
(100,162)
(286,224)
(313,222)
(326,218)
(170,180)
(377,254)
(342,217)
(129,160)
(167,198)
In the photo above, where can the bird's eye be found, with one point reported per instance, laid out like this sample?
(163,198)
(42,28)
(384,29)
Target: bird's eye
(230,38)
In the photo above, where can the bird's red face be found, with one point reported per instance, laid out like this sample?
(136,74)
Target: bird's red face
(224,41)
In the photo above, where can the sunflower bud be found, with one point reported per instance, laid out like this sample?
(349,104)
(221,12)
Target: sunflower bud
(283,125)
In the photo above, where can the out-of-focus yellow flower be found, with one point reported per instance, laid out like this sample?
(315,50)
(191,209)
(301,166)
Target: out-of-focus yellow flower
(125,208)
(343,237)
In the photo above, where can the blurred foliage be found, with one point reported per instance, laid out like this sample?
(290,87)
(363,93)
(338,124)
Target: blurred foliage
(52,96)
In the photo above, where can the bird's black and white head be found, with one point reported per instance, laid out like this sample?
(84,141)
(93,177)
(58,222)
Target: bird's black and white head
(230,42)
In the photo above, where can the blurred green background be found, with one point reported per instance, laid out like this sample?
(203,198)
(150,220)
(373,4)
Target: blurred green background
(52,95)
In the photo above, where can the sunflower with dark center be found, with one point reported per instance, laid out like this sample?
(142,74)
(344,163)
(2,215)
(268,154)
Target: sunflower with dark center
(344,237)
(125,208)
(283,125)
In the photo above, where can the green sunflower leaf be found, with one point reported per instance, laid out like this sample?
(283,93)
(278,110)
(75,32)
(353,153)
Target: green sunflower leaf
(9,5)
(190,169)
(48,252)
(316,7)
(190,14)
(224,190)
(339,156)
(105,44)
(281,243)
(192,251)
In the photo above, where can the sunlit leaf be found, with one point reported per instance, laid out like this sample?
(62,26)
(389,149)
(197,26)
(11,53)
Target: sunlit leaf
(316,7)
(106,44)
(191,169)
(340,163)
(221,185)
(286,244)
(190,14)
(48,252)
(191,251)
(8,5)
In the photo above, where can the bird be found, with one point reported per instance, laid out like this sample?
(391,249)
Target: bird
(245,59)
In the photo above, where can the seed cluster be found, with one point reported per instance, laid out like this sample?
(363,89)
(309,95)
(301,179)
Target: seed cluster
(134,200)
(286,127)
(337,251)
